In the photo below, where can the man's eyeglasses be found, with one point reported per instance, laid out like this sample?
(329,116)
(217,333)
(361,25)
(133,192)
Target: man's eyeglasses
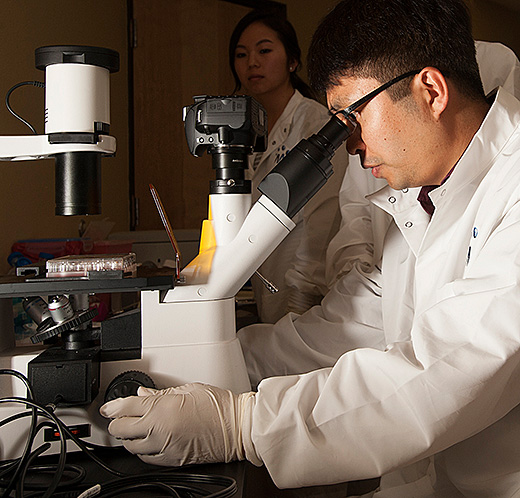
(347,112)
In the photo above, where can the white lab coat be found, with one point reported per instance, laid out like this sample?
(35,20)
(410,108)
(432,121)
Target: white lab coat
(498,66)
(425,353)
(297,265)
(363,225)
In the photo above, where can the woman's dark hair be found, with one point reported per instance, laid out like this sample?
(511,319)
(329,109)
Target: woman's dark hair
(287,35)
(382,39)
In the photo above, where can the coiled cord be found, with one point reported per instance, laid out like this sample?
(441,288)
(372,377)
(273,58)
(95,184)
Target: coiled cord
(14,473)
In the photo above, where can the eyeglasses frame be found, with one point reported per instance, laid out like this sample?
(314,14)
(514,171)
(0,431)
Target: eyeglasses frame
(347,111)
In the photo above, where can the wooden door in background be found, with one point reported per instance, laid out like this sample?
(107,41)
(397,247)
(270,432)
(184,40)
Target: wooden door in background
(180,49)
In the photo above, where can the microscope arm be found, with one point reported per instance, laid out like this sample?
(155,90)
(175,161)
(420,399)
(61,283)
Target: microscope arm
(189,332)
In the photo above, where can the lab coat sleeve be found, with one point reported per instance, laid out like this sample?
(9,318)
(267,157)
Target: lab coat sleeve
(377,410)
(306,278)
(316,339)
(363,226)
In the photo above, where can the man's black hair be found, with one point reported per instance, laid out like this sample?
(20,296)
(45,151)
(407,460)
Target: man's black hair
(382,39)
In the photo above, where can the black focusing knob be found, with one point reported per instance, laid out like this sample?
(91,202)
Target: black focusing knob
(126,384)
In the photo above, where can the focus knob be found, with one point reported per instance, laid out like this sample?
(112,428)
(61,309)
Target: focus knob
(126,384)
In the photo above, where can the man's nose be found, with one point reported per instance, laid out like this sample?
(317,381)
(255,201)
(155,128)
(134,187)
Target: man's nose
(355,144)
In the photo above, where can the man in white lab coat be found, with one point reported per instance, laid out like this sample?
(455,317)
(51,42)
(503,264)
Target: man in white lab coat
(363,225)
(425,349)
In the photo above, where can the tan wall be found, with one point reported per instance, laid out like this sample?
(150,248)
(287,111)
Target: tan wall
(494,22)
(305,15)
(27,194)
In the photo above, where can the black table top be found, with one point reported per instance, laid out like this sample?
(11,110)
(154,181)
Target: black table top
(252,482)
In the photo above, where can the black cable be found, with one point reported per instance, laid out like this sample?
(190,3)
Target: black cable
(14,417)
(63,443)
(27,456)
(178,485)
(50,468)
(22,377)
(32,431)
(38,84)
(22,462)
(147,485)
(76,472)
(37,452)
(8,467)
(181,481)
(83,445)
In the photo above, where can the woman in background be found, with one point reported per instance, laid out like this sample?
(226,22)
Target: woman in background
(264,57)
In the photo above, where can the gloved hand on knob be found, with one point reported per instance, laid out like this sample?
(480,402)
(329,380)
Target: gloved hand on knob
(194,423)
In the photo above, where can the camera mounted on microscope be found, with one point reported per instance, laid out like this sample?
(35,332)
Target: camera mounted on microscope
(229,128)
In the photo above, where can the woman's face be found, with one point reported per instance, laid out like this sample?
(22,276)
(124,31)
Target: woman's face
(261,62)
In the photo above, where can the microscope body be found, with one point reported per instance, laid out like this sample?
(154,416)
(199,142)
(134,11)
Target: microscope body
(77,127)
(196,319)
(187,333)
(193,325)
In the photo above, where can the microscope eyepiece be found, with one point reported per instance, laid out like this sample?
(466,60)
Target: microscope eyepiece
(302,172)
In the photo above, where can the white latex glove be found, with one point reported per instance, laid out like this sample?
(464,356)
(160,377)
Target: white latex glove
(194,423)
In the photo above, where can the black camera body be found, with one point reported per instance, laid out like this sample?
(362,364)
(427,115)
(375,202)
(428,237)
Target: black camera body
(229,129)
(230,121)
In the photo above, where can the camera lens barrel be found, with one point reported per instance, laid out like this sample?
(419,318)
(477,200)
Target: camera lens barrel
(230,164)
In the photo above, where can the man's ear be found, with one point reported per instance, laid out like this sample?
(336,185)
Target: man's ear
(433,90)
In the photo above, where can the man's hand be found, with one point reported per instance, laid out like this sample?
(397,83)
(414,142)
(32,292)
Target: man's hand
(194,423)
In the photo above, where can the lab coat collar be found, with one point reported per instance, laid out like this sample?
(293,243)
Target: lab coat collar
(281,128)
(501,121)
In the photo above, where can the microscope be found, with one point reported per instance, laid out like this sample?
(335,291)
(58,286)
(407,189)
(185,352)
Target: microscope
(185,329)
(197,318)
